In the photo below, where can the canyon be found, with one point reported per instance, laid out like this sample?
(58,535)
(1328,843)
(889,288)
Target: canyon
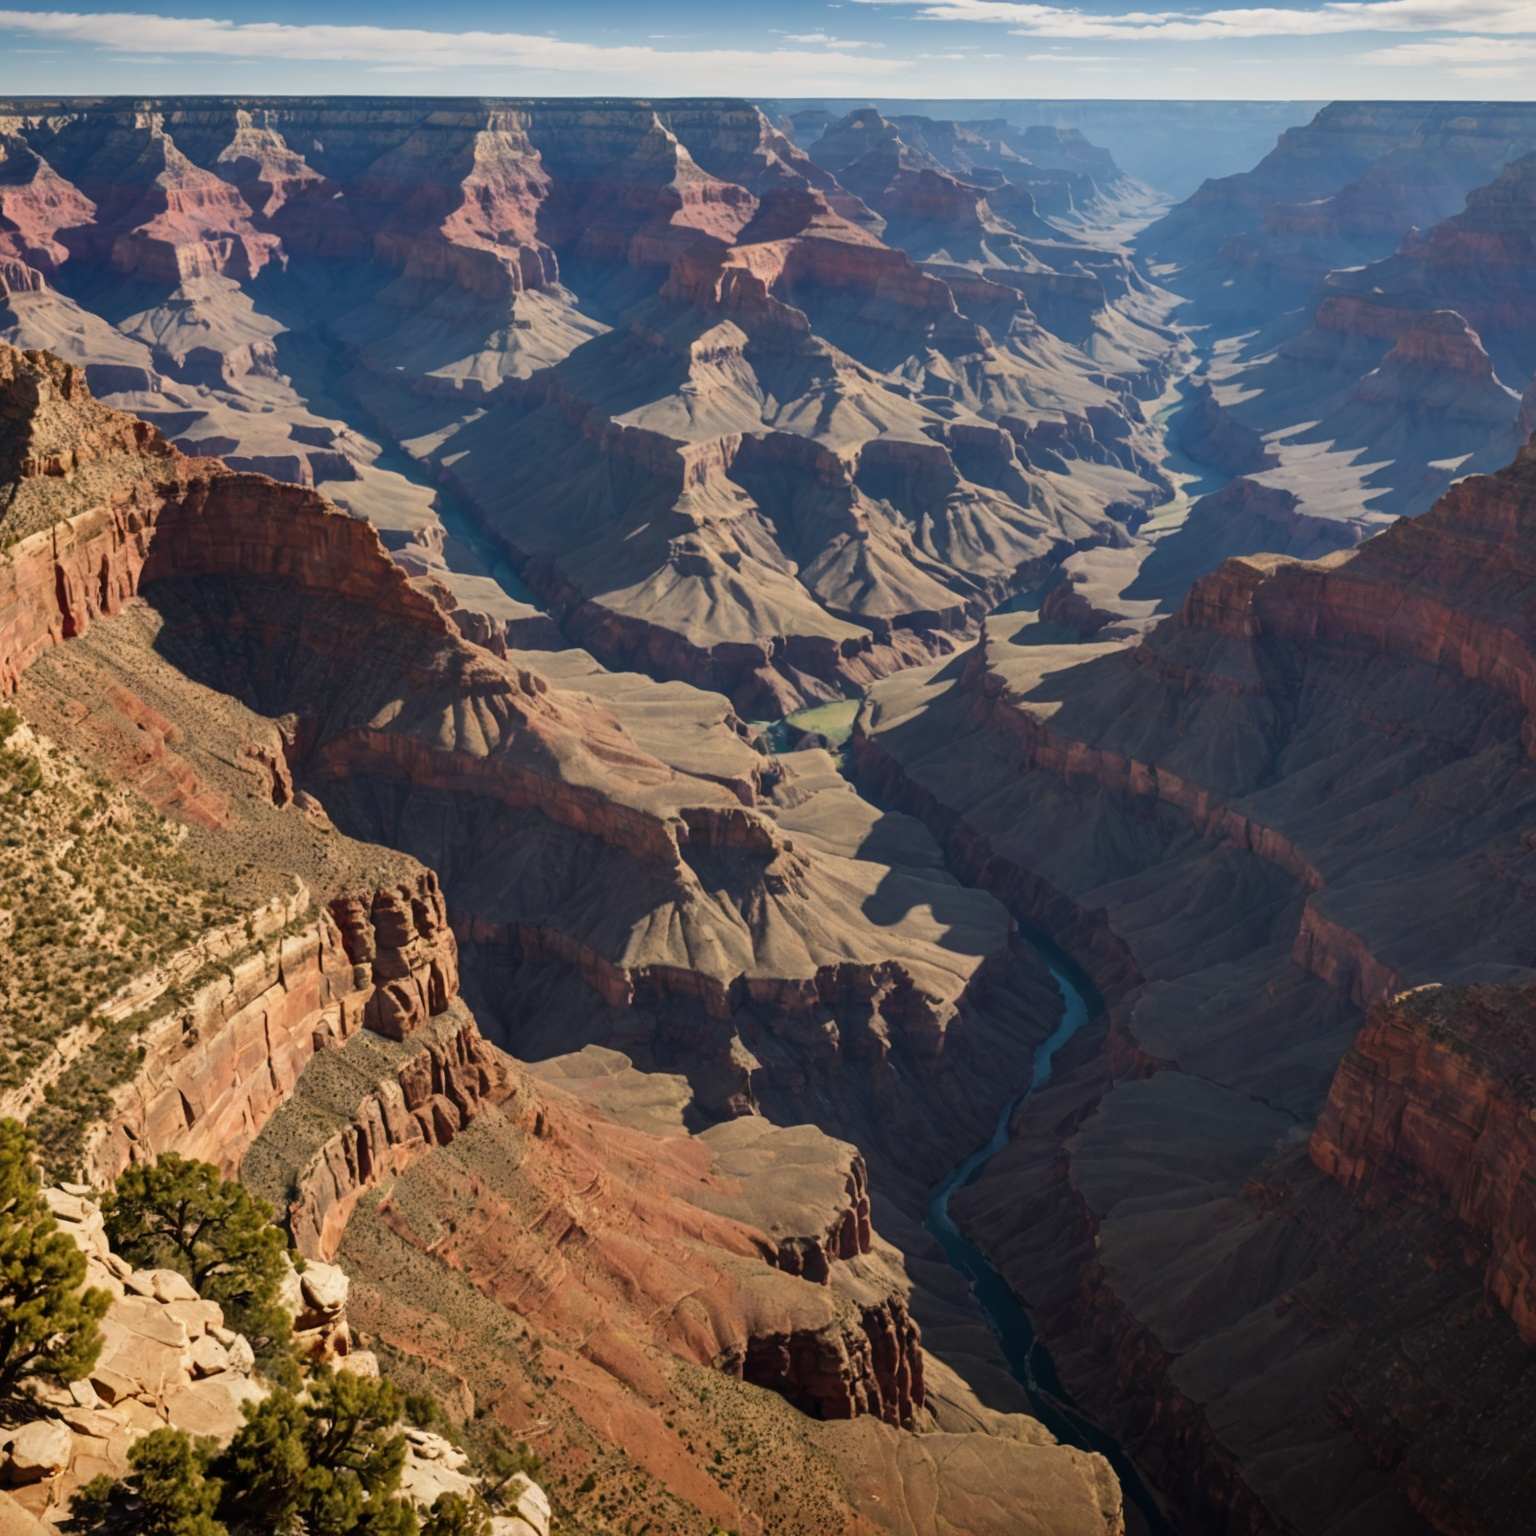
(434,539)
(324,1051)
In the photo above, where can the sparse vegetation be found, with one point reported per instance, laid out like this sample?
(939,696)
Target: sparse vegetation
(325,1464)
(167,1492)
(454,1515)
(95,888)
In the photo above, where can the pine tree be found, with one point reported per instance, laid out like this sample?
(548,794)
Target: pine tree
(328,1464)
(167,1490)
(454,1515)
(183,1215)
(48,1324)
(262,1468)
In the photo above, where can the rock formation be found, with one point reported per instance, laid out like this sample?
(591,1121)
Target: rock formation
(1343,190)
(391,301)
(1301,794)
(317,1040)
(167,1359)
(772,424)
(1373,385)
(1432,1102)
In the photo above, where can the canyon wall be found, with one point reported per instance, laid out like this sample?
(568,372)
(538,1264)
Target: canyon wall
(1432,1102)
(227,1051)
(645,290)
(1301,794)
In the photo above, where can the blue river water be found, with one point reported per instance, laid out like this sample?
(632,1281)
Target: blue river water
(1027,1357)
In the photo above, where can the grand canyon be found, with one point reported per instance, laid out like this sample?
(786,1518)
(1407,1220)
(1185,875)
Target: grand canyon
(834,798)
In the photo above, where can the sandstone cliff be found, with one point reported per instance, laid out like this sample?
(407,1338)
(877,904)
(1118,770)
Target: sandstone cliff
(329,1056)
(1432,1102)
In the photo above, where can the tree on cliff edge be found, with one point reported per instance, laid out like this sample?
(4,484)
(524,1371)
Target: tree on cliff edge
(183,1215)
(327,1463)
(48,1329)
(167,1492)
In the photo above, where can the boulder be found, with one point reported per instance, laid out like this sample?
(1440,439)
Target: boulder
(16,1521)
(208,1356)
(212,1406)
(167,1285)
(38,1450)
(530,1509)
(324,1289)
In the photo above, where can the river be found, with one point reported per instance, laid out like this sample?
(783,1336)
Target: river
(1027,1357)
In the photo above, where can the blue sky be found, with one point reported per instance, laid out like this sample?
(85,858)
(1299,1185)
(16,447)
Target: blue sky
(1483,49)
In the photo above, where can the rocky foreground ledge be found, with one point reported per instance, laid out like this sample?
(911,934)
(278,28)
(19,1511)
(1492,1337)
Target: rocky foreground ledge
(168,1360)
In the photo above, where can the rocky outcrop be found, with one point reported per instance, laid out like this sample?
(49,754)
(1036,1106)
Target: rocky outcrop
(434,1094)
(1210,435)
(37,206)
(1438,368)
(1434,1102)
(808,1193)
(1246,517)
(224,1055)
(847,1237)
(640,1256)
(401,940)
(873,1365)
(166,1359)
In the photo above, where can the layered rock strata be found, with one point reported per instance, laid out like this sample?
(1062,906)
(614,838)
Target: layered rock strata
(1432,1102)
(390,300)
(1303,793)
(153,587)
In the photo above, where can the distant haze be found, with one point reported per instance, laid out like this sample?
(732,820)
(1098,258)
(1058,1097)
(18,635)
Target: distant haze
(1172,146)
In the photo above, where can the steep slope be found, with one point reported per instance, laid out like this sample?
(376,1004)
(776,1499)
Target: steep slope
(1364,391)
(1306,791)
(180,625)
(1343,190)
(389,299)
(1169,145)
(1415,363)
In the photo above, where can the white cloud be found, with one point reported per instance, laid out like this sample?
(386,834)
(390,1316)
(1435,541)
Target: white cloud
(1464,58)
(1507,17)
(681,71)
(823,40)
(1498,52)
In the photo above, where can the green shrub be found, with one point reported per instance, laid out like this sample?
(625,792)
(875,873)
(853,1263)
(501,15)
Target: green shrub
(326,1464)
(167,1492)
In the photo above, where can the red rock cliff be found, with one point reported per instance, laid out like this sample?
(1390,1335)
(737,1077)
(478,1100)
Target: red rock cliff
(1437,1101)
